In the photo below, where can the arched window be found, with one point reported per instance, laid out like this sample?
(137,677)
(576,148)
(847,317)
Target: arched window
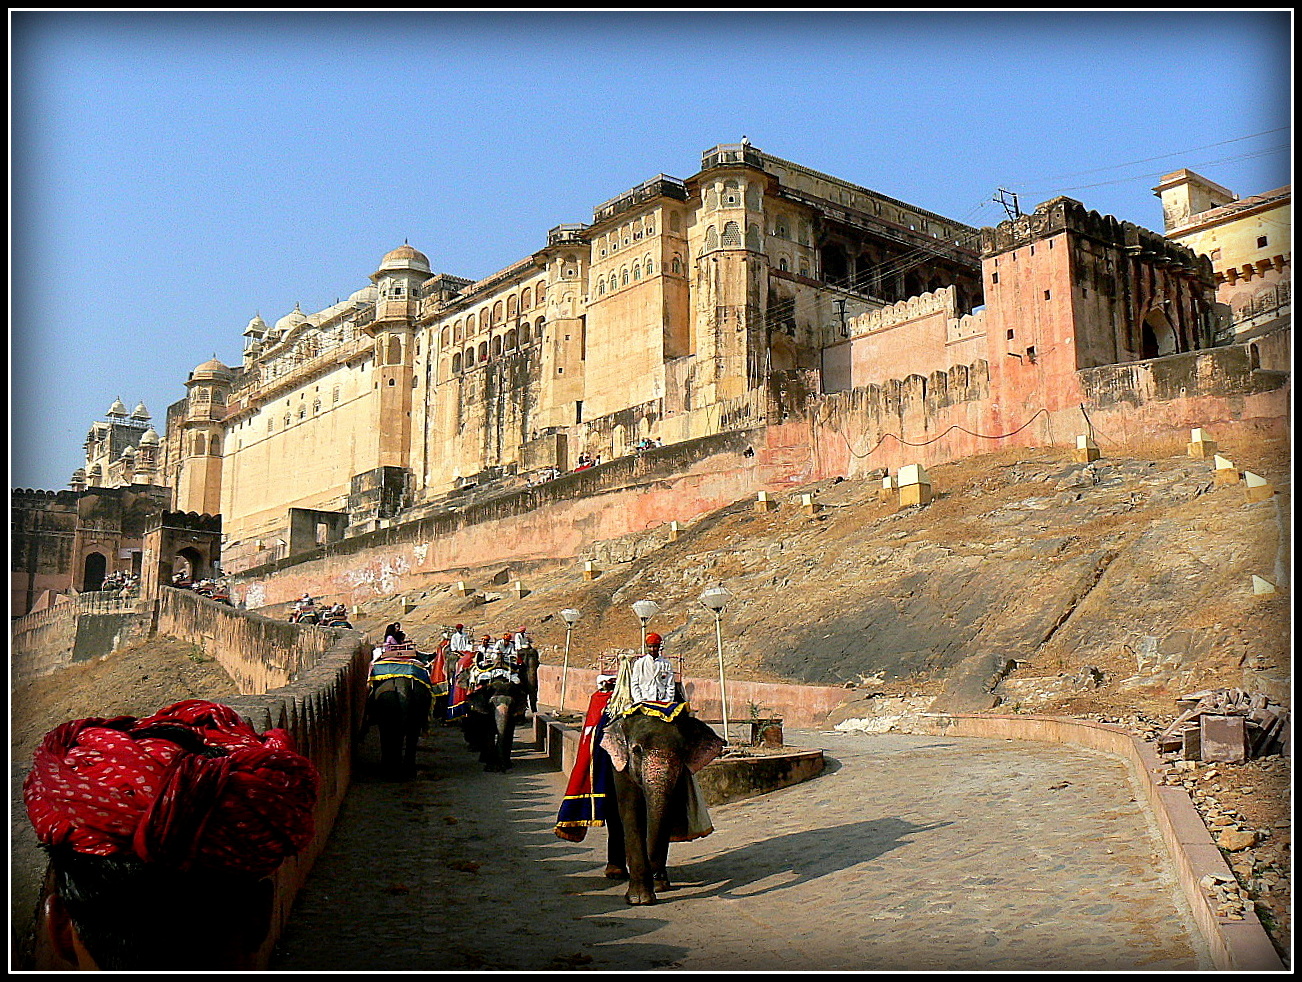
(614,282)
(510,305)
(445,336)
(542,292)
(457,334)
(484,319)
(678,264)
(712,237)
(511,339)
(782,229)
(637,271)
(395,351)
(469,360)
(731,235)
(648,266)
(483,352)
(200,445)
(497,312)
(526,299)
(650,228)
(731,194)
(601,288)
(538,329)
(497,346)
(782,265)
(215,445)
(456,363)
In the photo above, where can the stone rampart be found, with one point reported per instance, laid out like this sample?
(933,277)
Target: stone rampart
(45,641)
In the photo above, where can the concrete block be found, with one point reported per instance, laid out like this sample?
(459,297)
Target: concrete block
(675,530)
(1192,749)
(809,505)
(1201,444)
(1224,739)
(1226,472)
(887,490)
(590,571)
(518,589)
(764,502)
(1258,488)
(1086,450)
(912,474)
(915,494)
(1261,585)
(462,589)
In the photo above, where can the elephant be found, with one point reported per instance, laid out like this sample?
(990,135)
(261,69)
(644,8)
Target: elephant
(653,759)
(529,674)
(399,705)
(495,707)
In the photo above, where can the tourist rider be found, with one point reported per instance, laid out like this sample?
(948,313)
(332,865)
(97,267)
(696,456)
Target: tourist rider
(652,675)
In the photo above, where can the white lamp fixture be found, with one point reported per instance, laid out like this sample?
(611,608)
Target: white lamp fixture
(716,598)
(571,617)
(645,610)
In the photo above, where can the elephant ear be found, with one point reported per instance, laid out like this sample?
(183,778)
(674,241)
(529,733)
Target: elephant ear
(615,742)
(703,744)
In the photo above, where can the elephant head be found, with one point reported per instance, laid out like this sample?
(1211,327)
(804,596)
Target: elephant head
(399,706)
(494,708)
(653,760)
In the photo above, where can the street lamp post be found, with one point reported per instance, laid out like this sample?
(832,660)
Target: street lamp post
(645,610)
(716,598)
(571,618)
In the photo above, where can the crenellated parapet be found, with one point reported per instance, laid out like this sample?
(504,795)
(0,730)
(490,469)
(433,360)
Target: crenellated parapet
(942,301)
(1063,214)
(189,521)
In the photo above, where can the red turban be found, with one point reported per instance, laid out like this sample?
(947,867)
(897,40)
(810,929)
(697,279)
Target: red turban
(192,786)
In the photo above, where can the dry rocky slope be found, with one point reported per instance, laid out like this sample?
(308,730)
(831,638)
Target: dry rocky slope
(1031,584)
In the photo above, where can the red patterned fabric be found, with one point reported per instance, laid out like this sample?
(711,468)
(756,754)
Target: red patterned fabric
(192,786)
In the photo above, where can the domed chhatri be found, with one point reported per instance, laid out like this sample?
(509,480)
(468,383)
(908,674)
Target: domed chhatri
(290,321)
(405,258)
(212,368)
(141,413)
(149,437)
(118,408)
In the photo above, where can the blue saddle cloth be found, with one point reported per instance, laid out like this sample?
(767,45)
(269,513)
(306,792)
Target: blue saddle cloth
(400,668)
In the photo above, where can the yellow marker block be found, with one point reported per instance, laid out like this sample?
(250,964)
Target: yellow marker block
(763,502)
(887,491)
(518,589)
(1260,585)
(1086,450)
(590,571)
(808,505)
(462,589)
(1258,488)
(1225,473)
(915,486)
(675,530)
(1201,445)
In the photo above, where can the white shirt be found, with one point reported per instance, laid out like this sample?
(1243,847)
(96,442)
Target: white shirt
(652,679)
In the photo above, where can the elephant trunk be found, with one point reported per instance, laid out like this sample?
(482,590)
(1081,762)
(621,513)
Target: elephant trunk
(659,774)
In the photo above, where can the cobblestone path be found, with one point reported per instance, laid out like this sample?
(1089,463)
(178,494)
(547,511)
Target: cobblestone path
(909,853)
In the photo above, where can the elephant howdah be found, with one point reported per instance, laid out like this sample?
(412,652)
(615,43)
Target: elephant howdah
(633,774)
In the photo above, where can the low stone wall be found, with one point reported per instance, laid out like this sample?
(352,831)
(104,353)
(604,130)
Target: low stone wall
(45,641)
(799,706)
(1234,944)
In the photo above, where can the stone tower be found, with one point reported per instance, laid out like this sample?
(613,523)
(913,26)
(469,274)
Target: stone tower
(199,482)
(397,306)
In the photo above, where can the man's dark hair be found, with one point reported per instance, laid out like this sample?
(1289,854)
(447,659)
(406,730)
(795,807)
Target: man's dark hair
(141,916)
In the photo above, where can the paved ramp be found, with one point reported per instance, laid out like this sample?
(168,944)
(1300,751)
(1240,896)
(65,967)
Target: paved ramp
(910,852)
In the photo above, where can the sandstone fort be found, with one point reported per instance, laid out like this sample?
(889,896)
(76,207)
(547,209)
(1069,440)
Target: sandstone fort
(751,327)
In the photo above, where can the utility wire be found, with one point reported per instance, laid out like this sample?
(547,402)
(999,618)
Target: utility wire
(956,426)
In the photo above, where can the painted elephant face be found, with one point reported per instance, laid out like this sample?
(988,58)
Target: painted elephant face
(686,739)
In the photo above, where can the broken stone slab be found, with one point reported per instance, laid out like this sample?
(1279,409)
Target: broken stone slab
(1223,739)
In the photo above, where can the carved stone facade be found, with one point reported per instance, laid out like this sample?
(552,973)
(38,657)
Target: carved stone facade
(1249,242)
(747,295)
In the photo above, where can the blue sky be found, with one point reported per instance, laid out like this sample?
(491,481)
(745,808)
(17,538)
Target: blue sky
(173,174)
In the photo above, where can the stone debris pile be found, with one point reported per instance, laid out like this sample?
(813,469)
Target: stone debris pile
(1226,897)
(1228,726)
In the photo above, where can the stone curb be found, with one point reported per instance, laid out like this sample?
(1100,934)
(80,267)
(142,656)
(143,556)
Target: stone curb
(1241,945)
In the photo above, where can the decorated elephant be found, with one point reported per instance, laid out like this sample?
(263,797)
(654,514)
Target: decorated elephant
(495,704)
(654,752)
(529,674)
(399,704)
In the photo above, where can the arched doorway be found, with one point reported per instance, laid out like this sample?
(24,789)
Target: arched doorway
(190,562)
(1157,336)
(94,571)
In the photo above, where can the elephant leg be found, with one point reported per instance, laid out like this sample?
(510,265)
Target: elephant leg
(632,815)
(616,864)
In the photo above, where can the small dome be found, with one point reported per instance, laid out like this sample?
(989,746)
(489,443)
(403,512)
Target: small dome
(129,452)
(257,327)
(405,257)
(291,320)
(117,409)
(140,412)
(211,369)
(149,437)
(80,472)
(366,294)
